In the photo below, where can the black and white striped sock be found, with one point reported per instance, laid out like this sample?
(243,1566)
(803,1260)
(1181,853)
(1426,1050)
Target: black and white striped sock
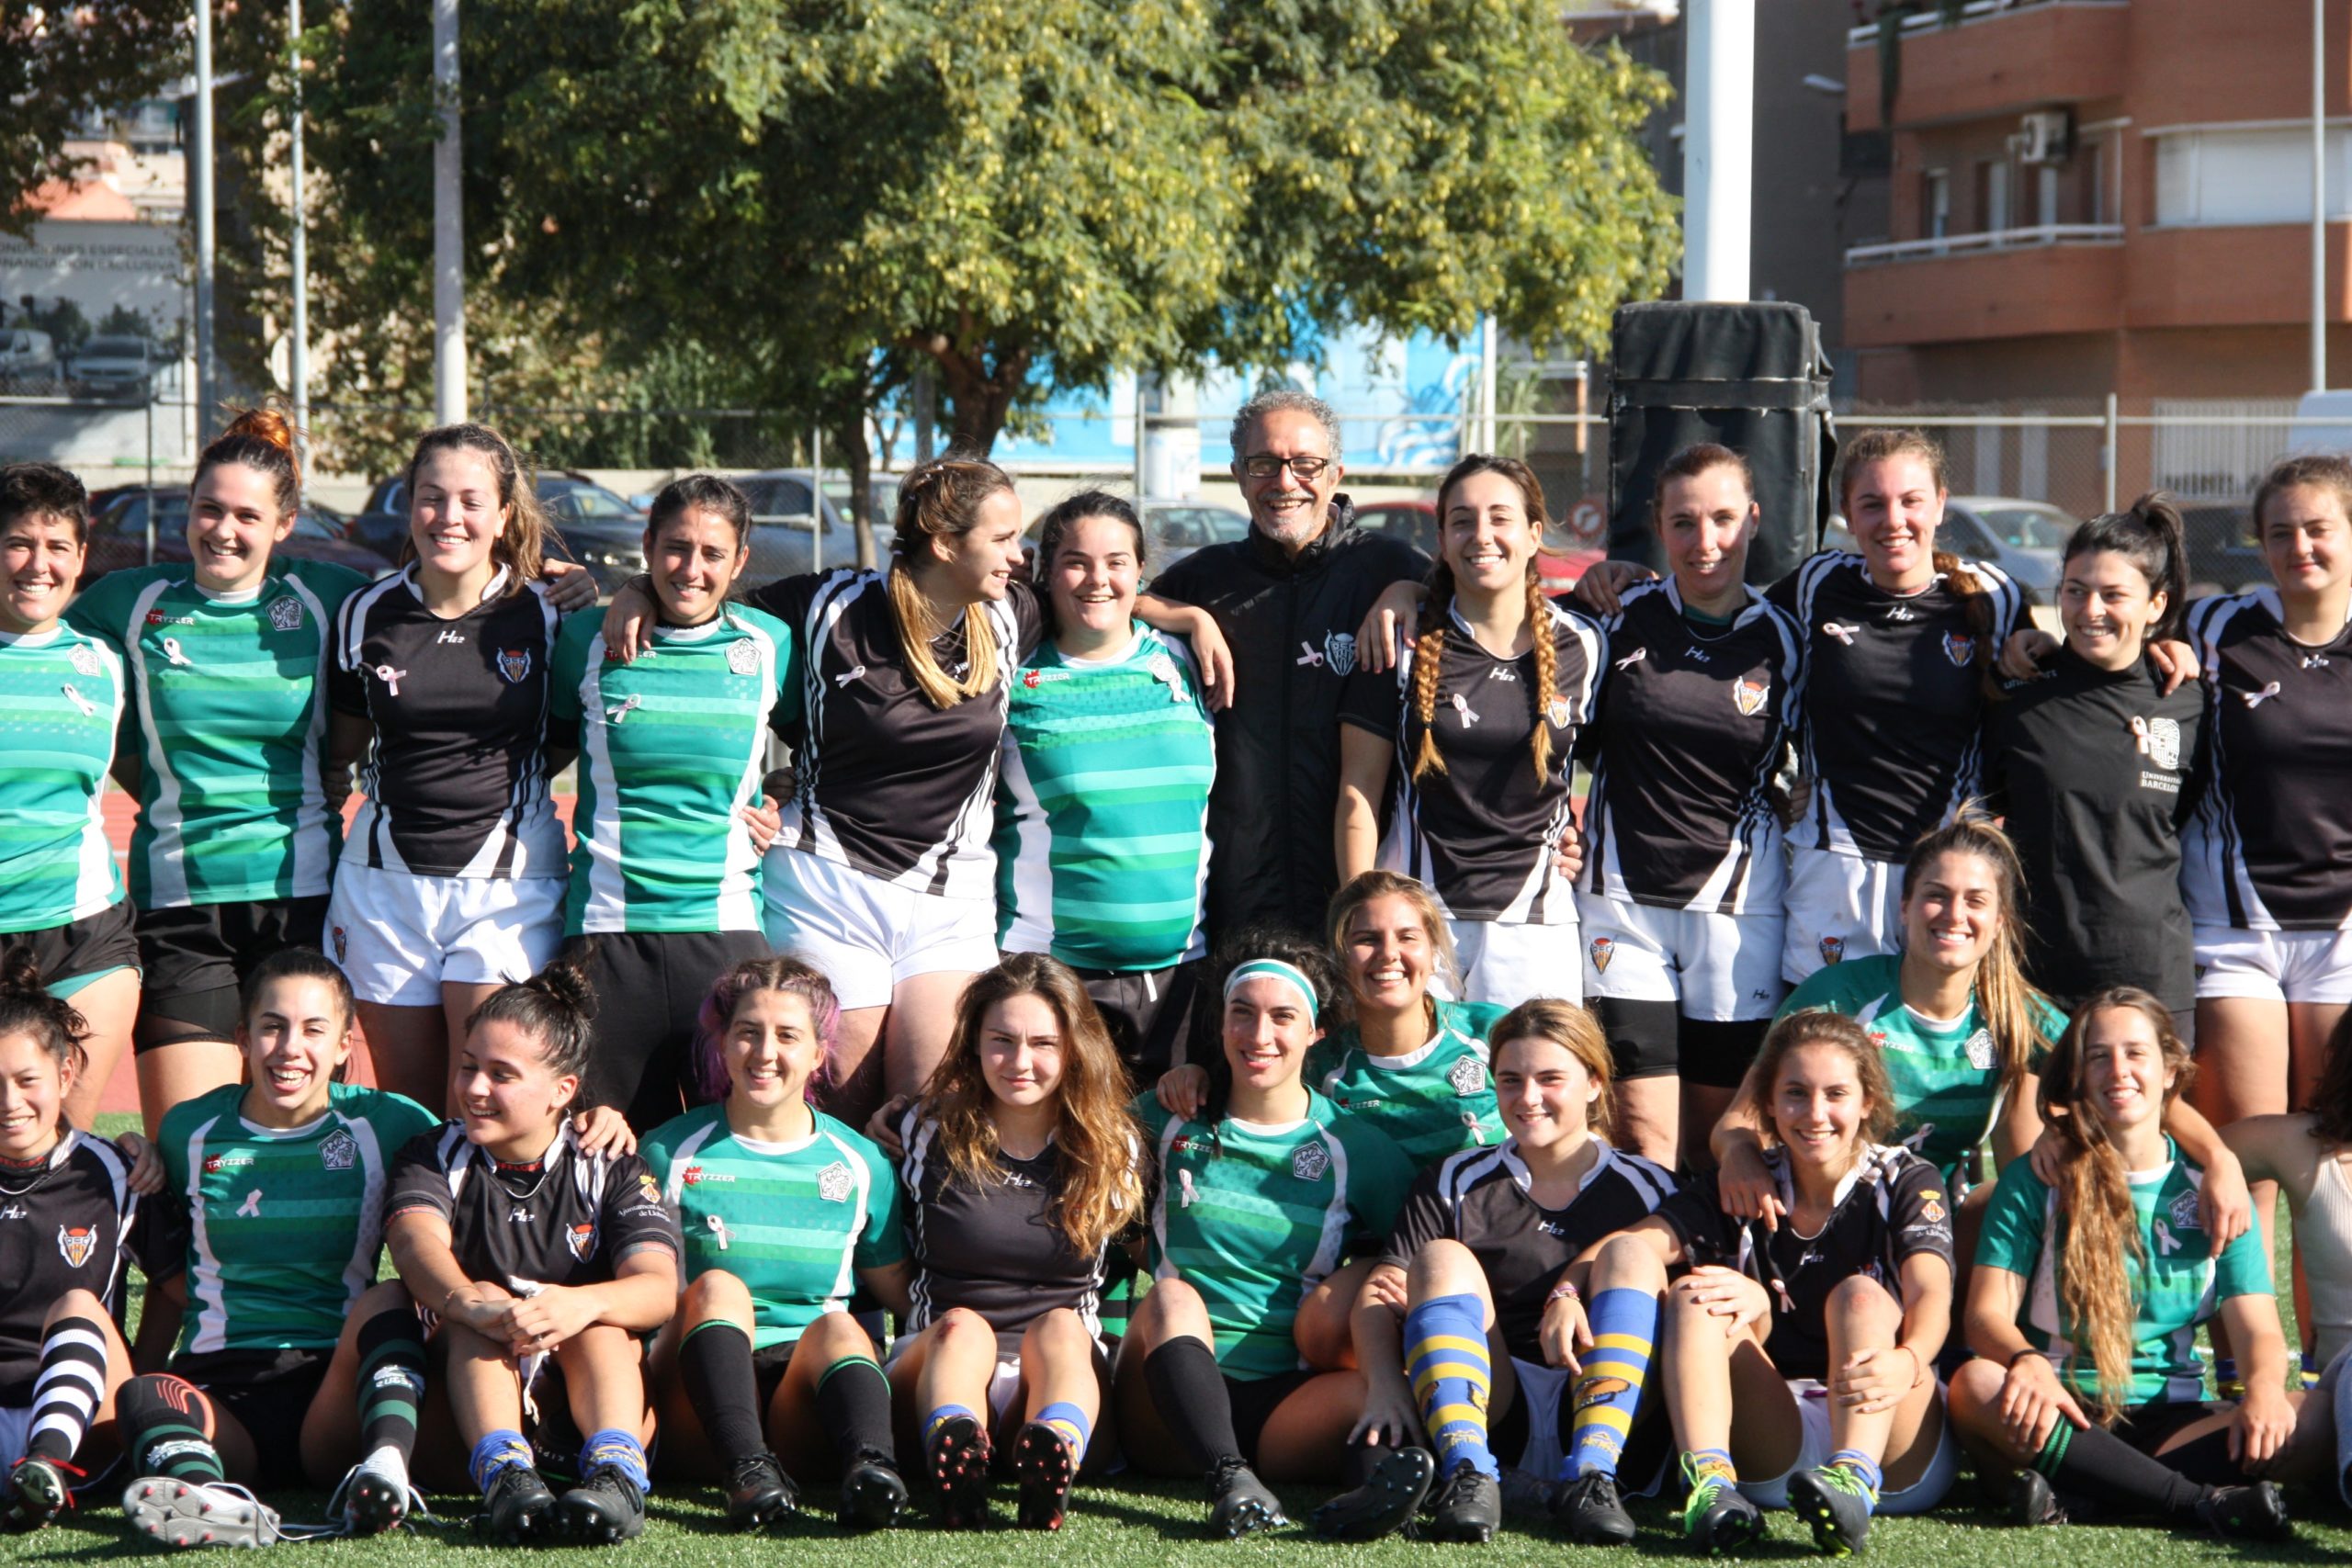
(72,1380)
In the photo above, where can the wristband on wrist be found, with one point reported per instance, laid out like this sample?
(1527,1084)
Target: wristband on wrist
(2029,1350)
(1565,1291)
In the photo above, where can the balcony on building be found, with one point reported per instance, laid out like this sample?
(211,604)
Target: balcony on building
(1999,57)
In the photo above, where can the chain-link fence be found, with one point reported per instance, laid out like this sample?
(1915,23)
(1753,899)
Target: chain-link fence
(2079,456)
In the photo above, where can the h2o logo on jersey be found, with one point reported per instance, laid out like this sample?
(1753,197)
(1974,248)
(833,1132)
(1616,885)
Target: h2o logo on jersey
(1309,1161)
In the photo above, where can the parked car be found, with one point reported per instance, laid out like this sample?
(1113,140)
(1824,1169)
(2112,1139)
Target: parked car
(118,535)
(2222,556)
(1415,522)
(592,526)
(2024,538)
(1175,529)
(28,361)
(117,368)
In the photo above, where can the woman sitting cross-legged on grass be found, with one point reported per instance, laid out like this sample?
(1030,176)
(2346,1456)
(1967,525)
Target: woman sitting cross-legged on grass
(542,1264)
(1261,1196)
(1822,1330)
(1022,1170)
(2088,1388)
(785,1211)
(1494,1325)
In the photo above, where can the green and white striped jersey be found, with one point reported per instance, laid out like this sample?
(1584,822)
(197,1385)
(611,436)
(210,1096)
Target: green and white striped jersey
(2176,1282)
(1254,1217)
(1433,1101)
(792,1221)
(61,697)
(230,700)
(670,747)
(1102,838)
(284,1228)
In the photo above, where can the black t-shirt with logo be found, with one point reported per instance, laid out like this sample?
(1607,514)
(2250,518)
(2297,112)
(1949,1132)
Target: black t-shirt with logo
(567,1218)
(69,1222)
(2095,772)
(1480,1197)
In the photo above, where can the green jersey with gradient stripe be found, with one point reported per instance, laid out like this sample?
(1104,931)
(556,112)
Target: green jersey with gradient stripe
(230,700)
(2176,1282)
(284,1227)
(1102,839)
(670,747)
(61,697)
(792,1221)
(1433,1101)
(1254,1217)
(1946,1073)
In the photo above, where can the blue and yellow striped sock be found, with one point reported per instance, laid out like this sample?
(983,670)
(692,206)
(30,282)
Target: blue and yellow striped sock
(618,1449)
(1446,1356)
(1608,1392)
(498,1449)
(941,1415)
(1071,1423)
(1705,1464)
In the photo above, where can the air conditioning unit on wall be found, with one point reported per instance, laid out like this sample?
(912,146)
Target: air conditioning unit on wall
(2045,136)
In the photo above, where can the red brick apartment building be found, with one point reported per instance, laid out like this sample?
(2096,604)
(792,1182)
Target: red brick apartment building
(2096,196)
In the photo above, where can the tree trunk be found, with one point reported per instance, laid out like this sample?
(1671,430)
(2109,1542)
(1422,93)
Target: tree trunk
(858,457)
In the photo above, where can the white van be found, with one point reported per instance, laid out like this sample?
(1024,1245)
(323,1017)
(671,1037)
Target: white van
(27,360)
(2323,423)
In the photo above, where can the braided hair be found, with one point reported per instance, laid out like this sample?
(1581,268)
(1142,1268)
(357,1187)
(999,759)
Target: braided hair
(1437,609)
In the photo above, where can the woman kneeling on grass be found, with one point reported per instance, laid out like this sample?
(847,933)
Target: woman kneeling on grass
(529,1251)
(2089,1387)
(1479,1268)
(1023,1167)
(1260,1197)
(1822,1330)
(785,1211)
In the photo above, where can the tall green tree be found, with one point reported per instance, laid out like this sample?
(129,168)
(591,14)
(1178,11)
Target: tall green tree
(60,63)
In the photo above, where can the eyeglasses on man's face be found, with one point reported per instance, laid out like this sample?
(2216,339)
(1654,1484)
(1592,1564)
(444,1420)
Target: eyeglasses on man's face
(1265,466)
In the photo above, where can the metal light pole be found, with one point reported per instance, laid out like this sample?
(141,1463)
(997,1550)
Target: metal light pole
(448,228)
(1718,130)
(299,357)
(200,180)
(2319,196)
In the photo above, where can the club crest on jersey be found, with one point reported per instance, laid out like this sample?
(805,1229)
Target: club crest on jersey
(342,944)
(2158,740)
(1339,651)
(1959,647)
(515,663)
(1931,1208)
(581,1240)
(1468,1077)
(835,1182)
(84,661)
(2184,1212)
(1748,696)
(647,1188)
(1602,949)
(1833,948)
(742,658)
(77,1242)
(1557,713)
(1980,1050)
(1309,1161)
(339,1150)
(285,614)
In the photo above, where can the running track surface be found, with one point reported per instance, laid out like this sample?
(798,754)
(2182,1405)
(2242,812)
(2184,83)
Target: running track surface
(122,1088)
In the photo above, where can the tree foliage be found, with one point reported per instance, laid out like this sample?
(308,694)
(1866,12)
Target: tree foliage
(59,63)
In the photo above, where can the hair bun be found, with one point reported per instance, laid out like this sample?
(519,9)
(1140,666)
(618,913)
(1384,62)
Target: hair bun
(20,968)
(567,982)
(264,424)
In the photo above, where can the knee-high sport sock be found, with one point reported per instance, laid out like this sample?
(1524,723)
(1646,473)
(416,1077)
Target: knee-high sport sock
(1070,1421)
(1446,1356)
(715,1365)
(2102,1466)
(1608,1392)
(1189,1393)
(162,1420)
(66,1392)
(504,1449)
(616,1449)
(391,1384)
(854,1406)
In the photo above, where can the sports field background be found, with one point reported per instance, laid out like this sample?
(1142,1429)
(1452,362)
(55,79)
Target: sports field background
(1135,1523)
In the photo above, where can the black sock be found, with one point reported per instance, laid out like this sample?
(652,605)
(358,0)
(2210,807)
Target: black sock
(391,1382)
(66,1391)
(2104,1468)
(715,1363)
(1189,1391)
(162,1420)
(853,1407)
